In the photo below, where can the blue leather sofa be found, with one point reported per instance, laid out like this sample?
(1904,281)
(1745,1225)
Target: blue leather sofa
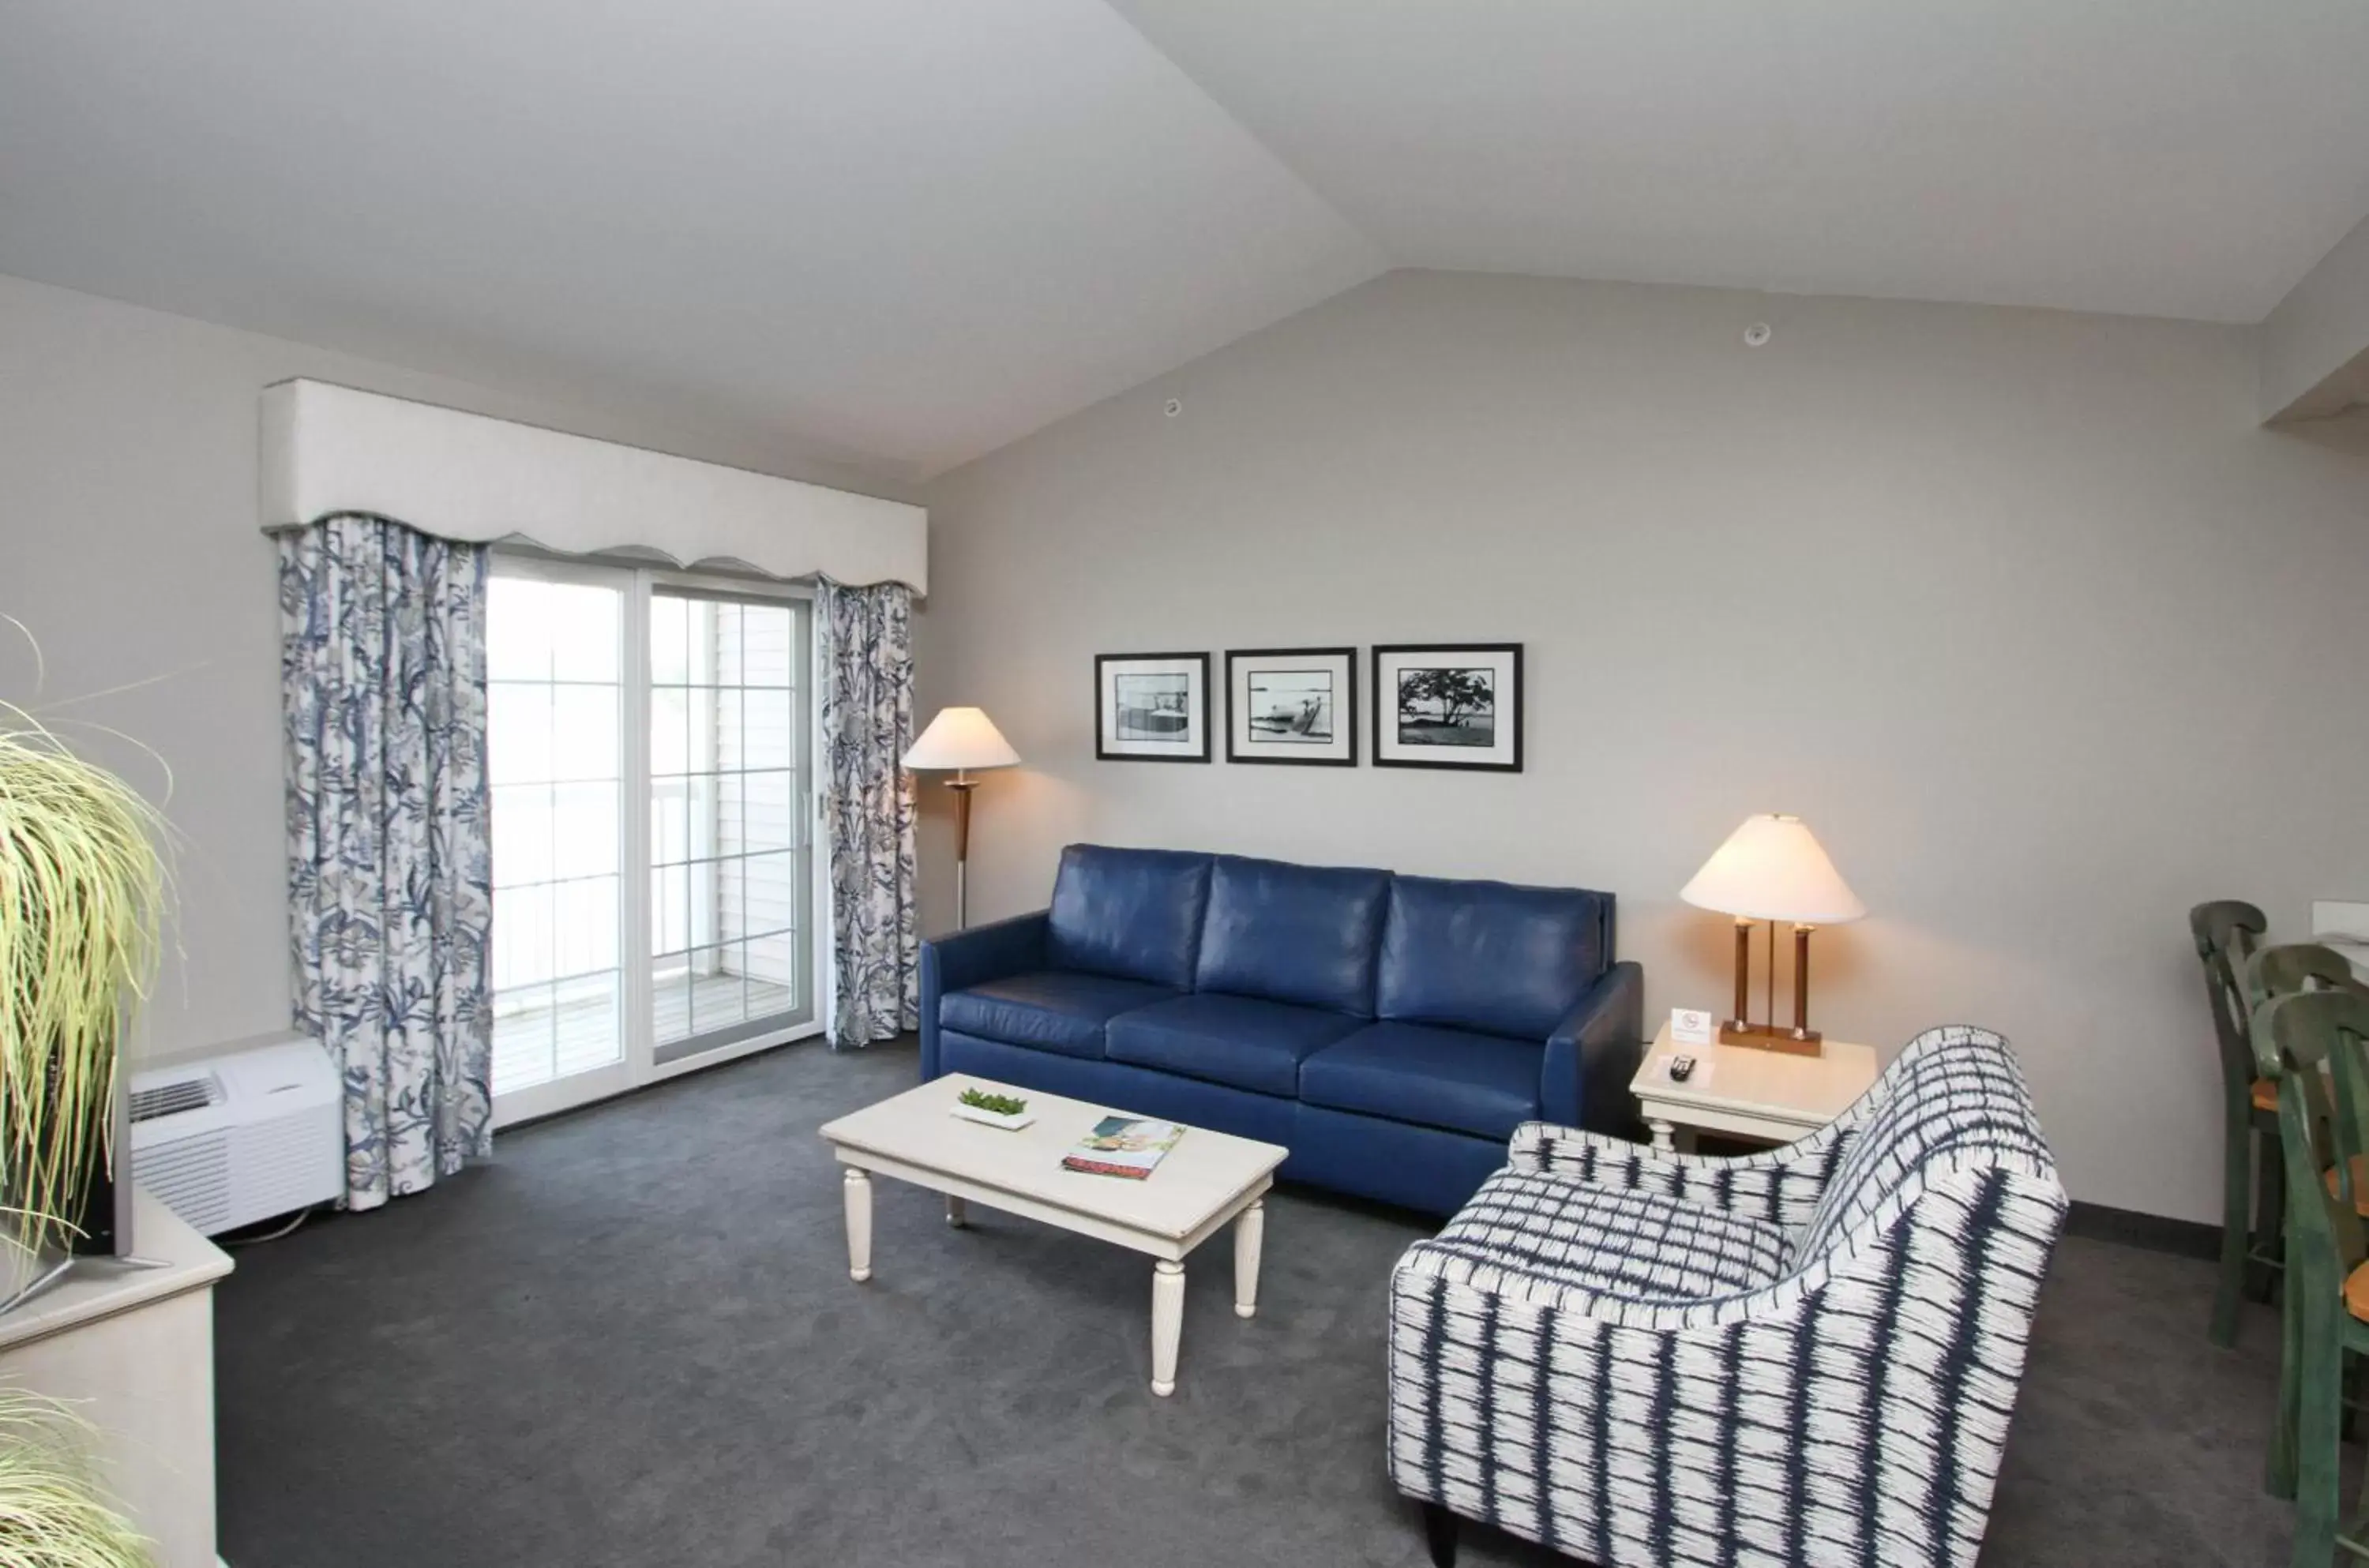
(1391,1031)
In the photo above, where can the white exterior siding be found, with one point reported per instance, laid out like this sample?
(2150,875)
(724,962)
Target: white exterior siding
(757,751)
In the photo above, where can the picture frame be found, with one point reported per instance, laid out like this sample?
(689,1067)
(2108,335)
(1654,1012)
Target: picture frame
(1448,705)
(1152,707)
(1292,707)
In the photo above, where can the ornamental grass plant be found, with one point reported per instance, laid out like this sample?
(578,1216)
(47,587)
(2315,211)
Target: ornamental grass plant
(82,894)
(52,1512)
(82,890)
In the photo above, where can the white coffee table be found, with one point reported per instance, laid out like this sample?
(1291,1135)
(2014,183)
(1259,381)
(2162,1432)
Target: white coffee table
(1209,1179)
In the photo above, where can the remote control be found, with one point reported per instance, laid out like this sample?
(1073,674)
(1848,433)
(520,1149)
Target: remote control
(1681,1068)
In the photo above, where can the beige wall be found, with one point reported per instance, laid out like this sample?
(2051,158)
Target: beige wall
(2316,344)
(129,546)
(2044,635)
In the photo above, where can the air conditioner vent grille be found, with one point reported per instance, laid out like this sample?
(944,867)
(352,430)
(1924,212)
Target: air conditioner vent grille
(172,1099)
(192,1178)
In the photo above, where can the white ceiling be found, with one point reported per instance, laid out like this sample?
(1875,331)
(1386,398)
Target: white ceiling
(905,231)
(2154,158)
(909,230)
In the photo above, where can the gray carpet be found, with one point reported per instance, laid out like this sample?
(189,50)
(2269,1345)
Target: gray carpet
(631,1339)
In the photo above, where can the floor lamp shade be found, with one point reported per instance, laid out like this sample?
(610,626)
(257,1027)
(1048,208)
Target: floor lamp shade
(960,740)
(1773,868)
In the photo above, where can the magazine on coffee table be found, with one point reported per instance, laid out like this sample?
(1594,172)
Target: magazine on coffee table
(1123,1146)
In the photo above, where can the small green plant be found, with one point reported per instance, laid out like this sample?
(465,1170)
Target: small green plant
(1001,1104)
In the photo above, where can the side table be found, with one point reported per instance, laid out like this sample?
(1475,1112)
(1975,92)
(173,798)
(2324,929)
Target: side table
(1744,1092)
(132,1350)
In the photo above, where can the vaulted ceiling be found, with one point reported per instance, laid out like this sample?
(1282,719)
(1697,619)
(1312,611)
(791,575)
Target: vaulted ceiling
(905,231)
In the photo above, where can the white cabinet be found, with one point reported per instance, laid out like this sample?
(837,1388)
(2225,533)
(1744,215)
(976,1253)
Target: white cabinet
(134,1349)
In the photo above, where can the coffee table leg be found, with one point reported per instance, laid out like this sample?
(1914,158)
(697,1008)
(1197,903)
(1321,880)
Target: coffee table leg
(858,1191)
(1249,1232)
(957,1214)
(1167,1323)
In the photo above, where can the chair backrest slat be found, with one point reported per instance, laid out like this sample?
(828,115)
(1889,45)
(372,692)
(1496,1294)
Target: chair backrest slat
(2227,932)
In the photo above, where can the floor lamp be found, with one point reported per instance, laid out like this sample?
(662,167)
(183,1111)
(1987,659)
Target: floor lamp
(961,740)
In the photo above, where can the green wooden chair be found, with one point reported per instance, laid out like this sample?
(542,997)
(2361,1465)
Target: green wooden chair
(2272,973)
(2292,967)
(2322,1040)
(2253,1187)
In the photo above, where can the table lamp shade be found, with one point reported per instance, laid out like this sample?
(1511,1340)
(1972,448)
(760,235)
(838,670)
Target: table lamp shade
(961,738)
(1773,868)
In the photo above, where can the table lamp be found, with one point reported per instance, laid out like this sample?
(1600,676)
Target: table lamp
(961,740)
(1773,869)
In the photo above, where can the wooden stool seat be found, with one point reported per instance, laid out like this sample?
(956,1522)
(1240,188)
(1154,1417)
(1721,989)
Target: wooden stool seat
(2266,1094)
(2360,1189)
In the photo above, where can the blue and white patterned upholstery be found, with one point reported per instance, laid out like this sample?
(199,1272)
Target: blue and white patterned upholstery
(1829,1383)
(1610,1241)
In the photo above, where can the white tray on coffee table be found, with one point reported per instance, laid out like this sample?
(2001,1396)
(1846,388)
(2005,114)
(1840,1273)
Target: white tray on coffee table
(1206,1181)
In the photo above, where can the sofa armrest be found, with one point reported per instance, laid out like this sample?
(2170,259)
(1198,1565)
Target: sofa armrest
(970,957)
(990,952)
(1594,1053)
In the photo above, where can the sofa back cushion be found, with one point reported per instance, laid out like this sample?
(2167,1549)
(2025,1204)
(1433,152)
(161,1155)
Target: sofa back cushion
(1297,933)
(1490,956)
(1134,913)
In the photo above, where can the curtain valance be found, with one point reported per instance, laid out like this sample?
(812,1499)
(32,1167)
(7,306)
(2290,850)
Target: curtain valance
(329,450)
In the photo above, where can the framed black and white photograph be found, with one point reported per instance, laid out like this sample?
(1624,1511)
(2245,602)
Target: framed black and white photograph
(1152,707)
(1448,705)
(1292,706)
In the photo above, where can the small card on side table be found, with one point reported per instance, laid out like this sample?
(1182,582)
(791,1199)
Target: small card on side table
(1691,1027)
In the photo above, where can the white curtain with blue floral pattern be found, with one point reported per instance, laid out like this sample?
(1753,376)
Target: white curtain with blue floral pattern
(390,886)
(868,723)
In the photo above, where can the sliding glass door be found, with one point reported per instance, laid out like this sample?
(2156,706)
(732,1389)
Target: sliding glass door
(730,889)
(555,756)
(630,945)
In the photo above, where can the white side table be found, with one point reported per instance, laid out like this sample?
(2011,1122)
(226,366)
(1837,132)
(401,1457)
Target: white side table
(133,1351)
(1745,1092)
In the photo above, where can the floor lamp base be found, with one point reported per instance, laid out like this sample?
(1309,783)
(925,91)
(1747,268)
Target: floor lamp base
(962,787)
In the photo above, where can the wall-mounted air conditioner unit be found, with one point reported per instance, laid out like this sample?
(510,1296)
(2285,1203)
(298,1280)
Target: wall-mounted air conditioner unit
(252,1132)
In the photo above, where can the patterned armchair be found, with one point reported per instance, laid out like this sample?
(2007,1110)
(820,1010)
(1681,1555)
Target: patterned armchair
(1807,1355)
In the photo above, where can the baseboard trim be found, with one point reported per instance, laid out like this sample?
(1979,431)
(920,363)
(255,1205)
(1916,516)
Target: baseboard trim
(2156,1232)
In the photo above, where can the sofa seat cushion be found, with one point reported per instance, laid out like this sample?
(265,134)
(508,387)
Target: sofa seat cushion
(1476,1084)
(1238,1040)
(1613,1241)
(1050,1009)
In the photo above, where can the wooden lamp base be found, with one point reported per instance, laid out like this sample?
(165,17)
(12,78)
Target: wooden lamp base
(1798,1041)
(1771,1037)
